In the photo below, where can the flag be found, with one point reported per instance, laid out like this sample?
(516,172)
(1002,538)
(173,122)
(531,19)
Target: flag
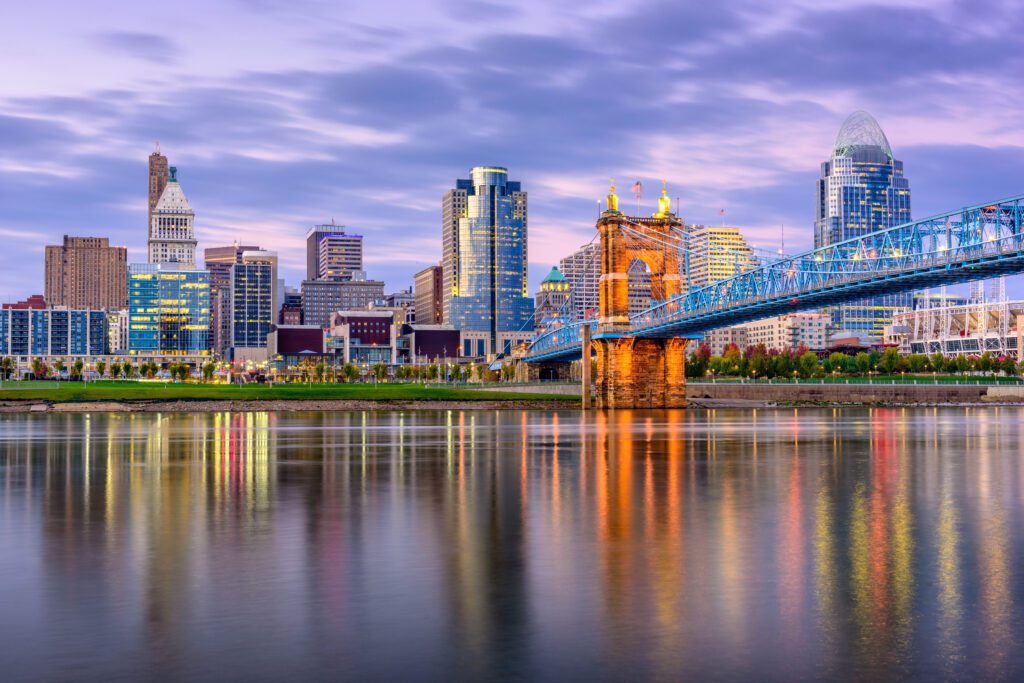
(637,188)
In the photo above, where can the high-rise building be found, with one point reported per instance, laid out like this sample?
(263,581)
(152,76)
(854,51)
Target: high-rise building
(639,292)
(717,253)
(158,175)
(332,254)
(428,285)
(168,309)
(86,272)
(320,298)
(453,209)
(52,332)
(219,261)
(488,291)
(552,299)
(172,236)
(862,190)
(253,286)
(582,269)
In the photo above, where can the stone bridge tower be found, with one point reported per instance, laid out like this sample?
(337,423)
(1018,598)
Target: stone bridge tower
(635,372)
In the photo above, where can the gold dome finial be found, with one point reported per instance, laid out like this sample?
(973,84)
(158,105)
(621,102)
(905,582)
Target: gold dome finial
(664,203)
(613,199)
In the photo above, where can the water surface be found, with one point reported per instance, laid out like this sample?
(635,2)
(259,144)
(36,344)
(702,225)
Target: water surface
(733,544)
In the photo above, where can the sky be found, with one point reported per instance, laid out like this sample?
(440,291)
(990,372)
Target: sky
(281,114)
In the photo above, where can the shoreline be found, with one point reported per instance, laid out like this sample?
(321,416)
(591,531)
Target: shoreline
(314,405)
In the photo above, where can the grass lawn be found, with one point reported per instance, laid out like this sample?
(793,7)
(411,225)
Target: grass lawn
(160,391)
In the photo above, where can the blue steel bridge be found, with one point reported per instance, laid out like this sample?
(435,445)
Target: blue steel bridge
(972,243)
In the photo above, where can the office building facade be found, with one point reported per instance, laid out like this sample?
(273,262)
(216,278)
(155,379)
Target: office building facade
(489,290)
(52,333)
(716,253)
(168,310)
(158,176)
(219,261)
(253,284)
(86,272)
(333,254)
(861,190)
(552,301)
(582,269)
(428,287)
(172,229)
(320,298)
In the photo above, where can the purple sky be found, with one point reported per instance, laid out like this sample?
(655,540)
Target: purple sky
(284,113)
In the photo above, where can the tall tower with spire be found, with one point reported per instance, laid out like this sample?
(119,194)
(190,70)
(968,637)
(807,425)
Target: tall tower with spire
(157,183)
(172,236)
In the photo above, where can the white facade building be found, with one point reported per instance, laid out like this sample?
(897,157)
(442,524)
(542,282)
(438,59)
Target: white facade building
(172,232)
(970,330)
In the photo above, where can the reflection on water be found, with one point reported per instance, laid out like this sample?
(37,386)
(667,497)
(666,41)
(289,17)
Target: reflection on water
(435,545)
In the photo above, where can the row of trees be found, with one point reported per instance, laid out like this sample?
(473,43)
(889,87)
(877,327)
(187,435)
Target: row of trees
(114,370)
(756,361)
(350,372)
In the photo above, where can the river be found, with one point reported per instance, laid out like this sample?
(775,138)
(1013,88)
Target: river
(763,545)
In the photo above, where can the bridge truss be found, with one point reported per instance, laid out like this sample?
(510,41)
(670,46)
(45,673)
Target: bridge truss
(973,243)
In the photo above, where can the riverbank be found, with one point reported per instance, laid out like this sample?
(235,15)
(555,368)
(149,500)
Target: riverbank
(217,406)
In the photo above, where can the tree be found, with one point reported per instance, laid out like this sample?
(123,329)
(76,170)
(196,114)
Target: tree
(836,362)
(351,372)
(508,372)
(1008,367)
(889,361)
(101,367)
(863,363)
(37,368)
(76,369)
(962,364)
(128,369)
(58,366)
(808,365)
(6,367)
(318,371)
(208,369)
(380,371)
(917,362)
(937,361)
(432,371)
(985,363)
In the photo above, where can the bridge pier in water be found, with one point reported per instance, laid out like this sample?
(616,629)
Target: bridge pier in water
(633,372)
(638,372)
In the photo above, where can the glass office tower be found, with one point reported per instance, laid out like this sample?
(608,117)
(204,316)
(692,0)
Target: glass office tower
(861,190)
(488,269)
(168,310)
(252,299)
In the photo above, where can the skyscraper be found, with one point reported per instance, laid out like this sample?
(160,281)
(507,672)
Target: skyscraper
(332,254)
(582,269)
(862,190)
(86,272)
(253,285)
(219,260)
(717,253)
(157,182)
(487,258)
(428,285)
(172,231)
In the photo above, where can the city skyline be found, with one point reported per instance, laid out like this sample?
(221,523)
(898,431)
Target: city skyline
(727,126)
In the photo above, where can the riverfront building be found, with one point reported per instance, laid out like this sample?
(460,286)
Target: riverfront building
(219,261)
(968,329)
(484,228)
(52,333)
(253,287)
(320,298)
(168,310)
(552,299)
(428,285)
(717,253)
(86,272)
(172,236)
(582,269)
(862,190)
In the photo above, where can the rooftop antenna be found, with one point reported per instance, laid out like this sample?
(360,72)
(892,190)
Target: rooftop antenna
(638,190)
(157,146)
(721,214)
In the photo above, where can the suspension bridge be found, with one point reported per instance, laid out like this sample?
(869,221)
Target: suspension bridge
(641,357)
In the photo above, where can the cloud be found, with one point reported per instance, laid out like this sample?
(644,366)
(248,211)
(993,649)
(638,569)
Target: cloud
(149,47)
(735,103)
